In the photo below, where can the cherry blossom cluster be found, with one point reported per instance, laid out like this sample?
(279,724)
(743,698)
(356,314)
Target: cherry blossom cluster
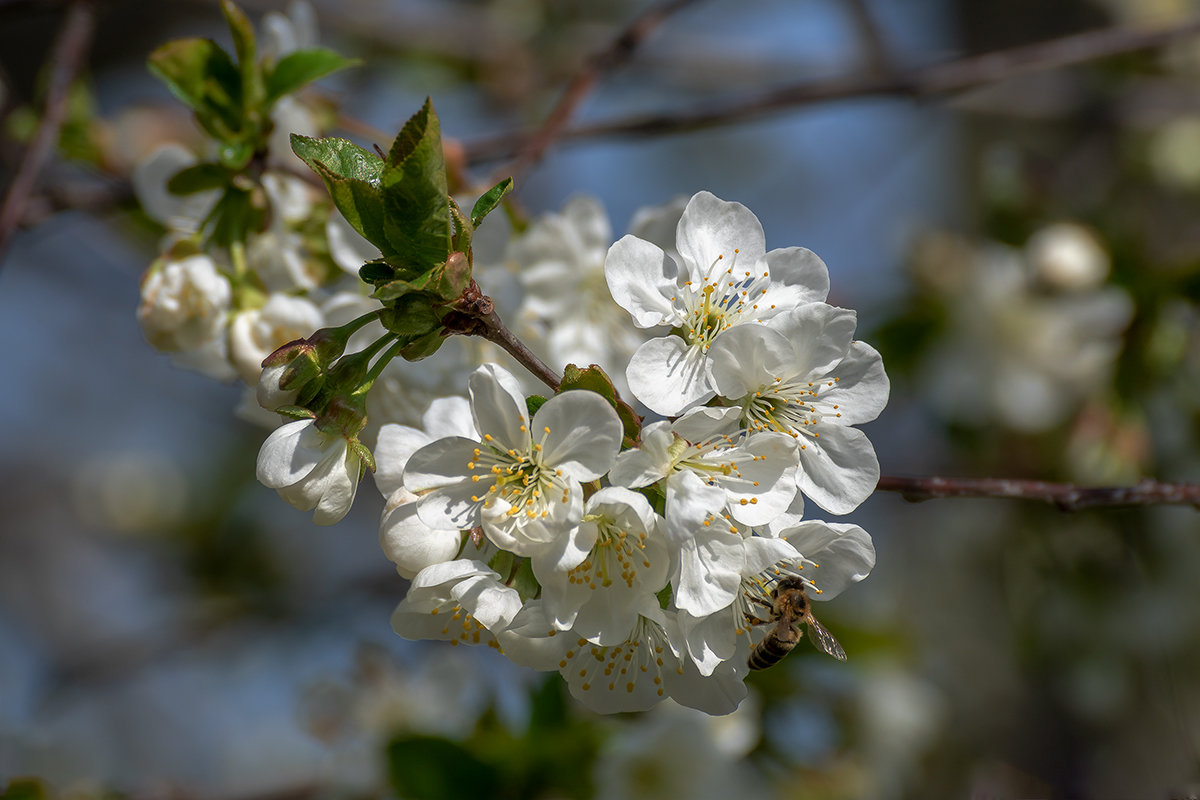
(631,554)
(635,567)
(219,301)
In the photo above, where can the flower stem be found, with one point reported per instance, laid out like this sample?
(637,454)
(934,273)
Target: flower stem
(476,315)
(497,332)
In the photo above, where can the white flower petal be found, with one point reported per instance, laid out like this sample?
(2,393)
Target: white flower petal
(820,335)
(393,447)
(668,376)
(839,469)
(409,543)
(801,268)
(642,280)
(745,358)
(498,407)
(584,434)
(711,228)
(710,572)
(648,463)
(844,552)
(862,388)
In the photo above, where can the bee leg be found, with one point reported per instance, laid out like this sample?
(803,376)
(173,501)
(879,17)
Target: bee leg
(760,602)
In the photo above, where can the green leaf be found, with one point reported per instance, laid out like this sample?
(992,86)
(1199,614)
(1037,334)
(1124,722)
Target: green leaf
(502,563)
(198,178)
(431,768)
(414,132)
(533,403)
(415,195)
(376,272)
(23,789)
(246,48)
(463,229)
(491,198)
(594,379)
(203,77)
(524,581)
(342,158)
(300,68)
(351,175)
(233,217)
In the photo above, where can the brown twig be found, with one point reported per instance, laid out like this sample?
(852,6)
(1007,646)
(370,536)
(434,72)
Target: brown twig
(534,146)
(879,59)
(475,315)
(938,79)
(1066,496)
(66,59)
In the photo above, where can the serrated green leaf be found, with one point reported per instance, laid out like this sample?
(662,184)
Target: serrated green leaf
(463,229)
(490,199)
(416,129)
(203,77)
(198,178)
(351,175)
(342,158)
(415,194)
(300,68)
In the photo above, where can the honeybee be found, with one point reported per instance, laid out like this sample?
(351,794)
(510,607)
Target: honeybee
(790,607)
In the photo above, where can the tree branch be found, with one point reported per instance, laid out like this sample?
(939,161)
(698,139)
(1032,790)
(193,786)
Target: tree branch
(935,80)
(1066,496)
(65,60)
(534,146)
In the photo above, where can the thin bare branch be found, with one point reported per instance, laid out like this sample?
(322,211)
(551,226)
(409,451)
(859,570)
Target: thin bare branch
(618,51)
(879,59)
(935,80)
(65,59)
(1066,496)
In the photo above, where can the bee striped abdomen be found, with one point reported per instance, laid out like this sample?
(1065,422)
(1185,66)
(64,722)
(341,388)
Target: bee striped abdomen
(771,650)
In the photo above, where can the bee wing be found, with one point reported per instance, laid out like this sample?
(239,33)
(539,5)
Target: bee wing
(822,639)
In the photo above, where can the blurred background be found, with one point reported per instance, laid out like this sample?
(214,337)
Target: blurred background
(1023,250)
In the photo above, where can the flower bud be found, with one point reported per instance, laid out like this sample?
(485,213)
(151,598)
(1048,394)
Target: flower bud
(184,303)
(312,469)
(1068,257)
(287,372)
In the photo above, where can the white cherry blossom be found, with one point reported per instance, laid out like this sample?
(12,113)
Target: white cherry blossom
(520,480)
(311,469)
(461,601)
(724,278)
(184,310)
(715,482)
(645,664)
(597,577)
(803,374)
